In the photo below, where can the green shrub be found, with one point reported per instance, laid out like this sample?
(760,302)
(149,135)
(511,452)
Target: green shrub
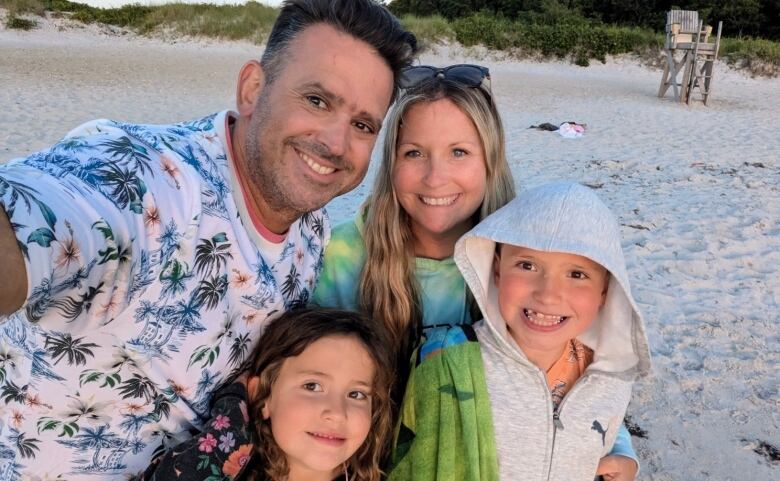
(12,21)
(489,30)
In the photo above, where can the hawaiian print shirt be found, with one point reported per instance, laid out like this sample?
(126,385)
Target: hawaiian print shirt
(145,292)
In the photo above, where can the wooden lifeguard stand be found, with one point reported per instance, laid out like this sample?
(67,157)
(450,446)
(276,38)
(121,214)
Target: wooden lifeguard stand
(688,53)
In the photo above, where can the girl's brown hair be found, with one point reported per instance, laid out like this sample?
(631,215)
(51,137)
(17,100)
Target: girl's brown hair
(288,336)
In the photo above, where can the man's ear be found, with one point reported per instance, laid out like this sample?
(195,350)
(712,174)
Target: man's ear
(251,81)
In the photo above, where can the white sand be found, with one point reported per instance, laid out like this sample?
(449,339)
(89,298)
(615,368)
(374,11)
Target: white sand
(696,188)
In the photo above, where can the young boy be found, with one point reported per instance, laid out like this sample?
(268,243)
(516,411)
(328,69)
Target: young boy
(538,389)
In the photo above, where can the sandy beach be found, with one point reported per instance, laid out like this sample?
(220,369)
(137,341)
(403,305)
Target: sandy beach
(697,191)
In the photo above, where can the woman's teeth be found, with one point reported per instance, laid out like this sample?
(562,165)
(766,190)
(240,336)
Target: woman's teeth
(544,320)
(439,200)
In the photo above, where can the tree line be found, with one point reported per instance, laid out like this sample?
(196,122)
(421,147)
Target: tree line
(741,18)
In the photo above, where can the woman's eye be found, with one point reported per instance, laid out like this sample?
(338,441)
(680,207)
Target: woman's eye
(413,154)
(459,152)
(359,395)
(316,101)
(312,386)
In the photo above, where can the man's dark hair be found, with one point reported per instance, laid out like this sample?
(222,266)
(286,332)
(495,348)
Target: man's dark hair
(365,20)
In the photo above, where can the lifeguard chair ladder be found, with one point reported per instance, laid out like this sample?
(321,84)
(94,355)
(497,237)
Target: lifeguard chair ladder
(704,57)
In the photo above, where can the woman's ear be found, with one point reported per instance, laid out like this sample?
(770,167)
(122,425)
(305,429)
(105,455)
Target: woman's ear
(251,81)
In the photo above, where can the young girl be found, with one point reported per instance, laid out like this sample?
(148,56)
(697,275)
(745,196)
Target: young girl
(319,407)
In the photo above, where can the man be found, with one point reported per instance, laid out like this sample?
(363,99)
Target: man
(139,262)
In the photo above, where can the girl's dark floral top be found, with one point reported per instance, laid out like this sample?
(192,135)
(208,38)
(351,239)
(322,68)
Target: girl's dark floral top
(220,453)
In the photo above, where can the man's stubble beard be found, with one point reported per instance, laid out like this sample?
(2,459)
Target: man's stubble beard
(263,175)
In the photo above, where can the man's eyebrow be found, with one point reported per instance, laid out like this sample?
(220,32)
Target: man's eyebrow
(338,99)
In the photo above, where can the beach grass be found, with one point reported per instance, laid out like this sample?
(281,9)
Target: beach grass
(251,21)
(430,31)
(573,37)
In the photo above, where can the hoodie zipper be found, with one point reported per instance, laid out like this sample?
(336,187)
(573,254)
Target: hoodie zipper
(557,423)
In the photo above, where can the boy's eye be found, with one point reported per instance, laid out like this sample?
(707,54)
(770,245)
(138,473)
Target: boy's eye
(359,395)
(312,386)
(525,265)
(579,275)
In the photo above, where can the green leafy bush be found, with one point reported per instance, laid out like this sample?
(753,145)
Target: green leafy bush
(489,30)
(12,21)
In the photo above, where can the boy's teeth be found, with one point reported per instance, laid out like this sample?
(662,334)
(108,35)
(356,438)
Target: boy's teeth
(439,200)
(543,319)
(320,169)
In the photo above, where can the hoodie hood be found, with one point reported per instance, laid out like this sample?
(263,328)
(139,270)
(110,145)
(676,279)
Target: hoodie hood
(561,217)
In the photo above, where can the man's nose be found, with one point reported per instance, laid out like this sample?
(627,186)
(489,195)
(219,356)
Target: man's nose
(335,136)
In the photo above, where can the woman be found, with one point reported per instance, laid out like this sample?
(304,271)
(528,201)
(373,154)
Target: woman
(443,170)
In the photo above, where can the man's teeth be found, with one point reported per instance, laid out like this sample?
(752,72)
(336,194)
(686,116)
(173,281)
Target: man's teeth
(543,319)
(320,169)
(439,200)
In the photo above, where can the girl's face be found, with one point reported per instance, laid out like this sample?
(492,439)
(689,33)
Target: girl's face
(320,406)
(439,175)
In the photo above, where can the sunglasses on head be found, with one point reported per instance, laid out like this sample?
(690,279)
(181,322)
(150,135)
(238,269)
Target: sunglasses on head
(466,74)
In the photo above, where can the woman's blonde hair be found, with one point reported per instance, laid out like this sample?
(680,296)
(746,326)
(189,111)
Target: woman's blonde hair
(288,336)
(388,288)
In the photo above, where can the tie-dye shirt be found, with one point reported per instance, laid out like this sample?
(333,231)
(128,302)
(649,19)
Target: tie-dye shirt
(443,289)
(147,288)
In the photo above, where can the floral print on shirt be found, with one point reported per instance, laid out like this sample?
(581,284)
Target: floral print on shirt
(145,293)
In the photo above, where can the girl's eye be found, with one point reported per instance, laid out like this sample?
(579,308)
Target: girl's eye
(316,101)
(312,386)
(459,152)
(359,395)
(526,266)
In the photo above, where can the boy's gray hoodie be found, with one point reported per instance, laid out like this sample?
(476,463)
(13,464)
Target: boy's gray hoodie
(533,443)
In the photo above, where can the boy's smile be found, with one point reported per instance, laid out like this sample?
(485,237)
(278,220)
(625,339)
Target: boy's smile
(543,322)
(547,298)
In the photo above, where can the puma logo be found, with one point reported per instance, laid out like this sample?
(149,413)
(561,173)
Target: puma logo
(599,429)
